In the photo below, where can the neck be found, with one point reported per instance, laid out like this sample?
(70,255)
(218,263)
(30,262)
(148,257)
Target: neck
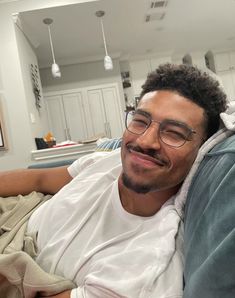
(144,204)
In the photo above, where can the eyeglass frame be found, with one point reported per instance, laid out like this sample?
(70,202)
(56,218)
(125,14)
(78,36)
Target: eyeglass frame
(147,115)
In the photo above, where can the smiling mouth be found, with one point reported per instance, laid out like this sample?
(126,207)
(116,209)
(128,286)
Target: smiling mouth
(145,158)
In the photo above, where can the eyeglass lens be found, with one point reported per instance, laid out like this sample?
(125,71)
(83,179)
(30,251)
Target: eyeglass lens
(171,132)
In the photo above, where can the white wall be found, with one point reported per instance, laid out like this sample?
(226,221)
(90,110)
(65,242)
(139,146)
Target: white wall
(37,117)
(13,101)
(13,93)
(80,75)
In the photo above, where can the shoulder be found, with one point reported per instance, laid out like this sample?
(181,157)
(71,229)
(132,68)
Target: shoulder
(98,161)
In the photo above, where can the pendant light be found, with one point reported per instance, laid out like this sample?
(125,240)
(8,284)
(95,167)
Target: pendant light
(108,63)
(55,69)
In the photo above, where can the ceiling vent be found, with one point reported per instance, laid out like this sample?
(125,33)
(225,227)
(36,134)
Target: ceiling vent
(158,4)
(154,17)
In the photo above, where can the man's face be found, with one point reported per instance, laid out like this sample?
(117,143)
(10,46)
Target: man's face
(148,163)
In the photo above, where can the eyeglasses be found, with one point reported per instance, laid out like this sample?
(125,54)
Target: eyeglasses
(171,132)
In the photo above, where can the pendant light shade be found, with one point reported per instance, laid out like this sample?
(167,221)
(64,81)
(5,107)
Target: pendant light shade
(108,63)
(55,69)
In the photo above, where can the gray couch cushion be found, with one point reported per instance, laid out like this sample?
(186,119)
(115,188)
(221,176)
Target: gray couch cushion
(210,226)
(53,164)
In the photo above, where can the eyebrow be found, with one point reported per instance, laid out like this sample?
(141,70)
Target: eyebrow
(144,113)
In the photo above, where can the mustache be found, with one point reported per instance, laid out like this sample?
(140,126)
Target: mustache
(150,152)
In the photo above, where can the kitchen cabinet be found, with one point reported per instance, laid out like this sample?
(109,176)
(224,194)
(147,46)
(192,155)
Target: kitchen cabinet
(75,116)
(56,119)
(225,69)
(66,117)
(228,80)
(85,113)
(224,61)
(105,112)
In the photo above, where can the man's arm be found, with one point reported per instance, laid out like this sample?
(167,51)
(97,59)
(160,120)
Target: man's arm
(65,294)
(47,180)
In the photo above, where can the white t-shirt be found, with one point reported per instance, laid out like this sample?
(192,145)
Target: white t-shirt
(85,235)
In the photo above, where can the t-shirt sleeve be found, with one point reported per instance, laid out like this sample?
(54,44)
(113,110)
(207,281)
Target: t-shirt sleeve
(85,161)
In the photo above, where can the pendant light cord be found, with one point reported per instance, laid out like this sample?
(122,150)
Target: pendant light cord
(102,28)
(52,49)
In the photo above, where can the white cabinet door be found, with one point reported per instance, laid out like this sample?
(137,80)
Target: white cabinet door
(97,112)
(222,61)
(75,117)
(232,60)
(228,81)
(114,121)
(86,113)
(66,117)
(105,111)
(56,117)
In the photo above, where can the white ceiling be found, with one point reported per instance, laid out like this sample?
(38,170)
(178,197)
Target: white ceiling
(188,25)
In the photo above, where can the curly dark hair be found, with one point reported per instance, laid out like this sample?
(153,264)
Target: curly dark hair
(194,84)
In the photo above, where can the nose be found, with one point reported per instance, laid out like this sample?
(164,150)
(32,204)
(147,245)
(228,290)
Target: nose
(150,138)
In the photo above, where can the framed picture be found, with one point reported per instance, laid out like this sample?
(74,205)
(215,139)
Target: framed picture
(35,82)
(137,99)
(1,138)
(3,145)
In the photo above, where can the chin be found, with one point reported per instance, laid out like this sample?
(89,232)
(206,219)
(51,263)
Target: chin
(136,186)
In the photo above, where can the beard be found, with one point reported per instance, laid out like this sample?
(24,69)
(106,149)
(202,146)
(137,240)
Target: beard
(141,187)
(136,187)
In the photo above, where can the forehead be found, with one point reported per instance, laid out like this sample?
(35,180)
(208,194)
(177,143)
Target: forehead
(163,104)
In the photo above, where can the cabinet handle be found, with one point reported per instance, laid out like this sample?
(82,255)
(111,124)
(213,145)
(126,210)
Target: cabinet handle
(108,129)
(66,134)
(105,129)
(69,136)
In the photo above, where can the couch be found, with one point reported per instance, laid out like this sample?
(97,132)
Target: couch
(209,239)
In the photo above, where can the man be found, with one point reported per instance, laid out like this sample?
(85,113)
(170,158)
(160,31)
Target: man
(114,229)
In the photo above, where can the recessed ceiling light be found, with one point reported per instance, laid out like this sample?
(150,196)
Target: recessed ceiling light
(158,16)
(157,4)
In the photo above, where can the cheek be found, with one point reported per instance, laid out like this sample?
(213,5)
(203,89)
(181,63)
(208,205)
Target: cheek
(183,161)
(127,138)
